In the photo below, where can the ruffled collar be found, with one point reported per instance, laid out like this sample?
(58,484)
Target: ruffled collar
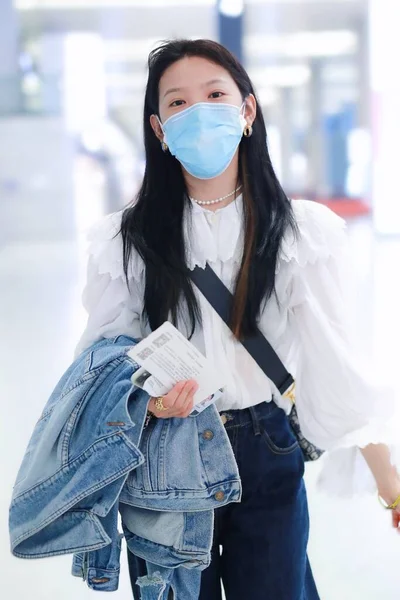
(212,236)
(321,235)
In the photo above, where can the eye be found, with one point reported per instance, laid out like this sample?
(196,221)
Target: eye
(216,95)
(176,103)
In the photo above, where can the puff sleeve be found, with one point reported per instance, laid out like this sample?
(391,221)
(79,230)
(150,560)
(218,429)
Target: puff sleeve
(112,308)
(341,404)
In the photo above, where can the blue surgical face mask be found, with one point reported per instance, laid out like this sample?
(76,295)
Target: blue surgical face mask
(204,137)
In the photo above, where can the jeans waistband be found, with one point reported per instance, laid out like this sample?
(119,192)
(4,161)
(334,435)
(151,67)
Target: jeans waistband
(250,415)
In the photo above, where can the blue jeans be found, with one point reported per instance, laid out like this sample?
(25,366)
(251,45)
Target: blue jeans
(264,537)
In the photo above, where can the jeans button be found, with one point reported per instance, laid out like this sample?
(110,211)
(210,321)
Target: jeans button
(219,495)
(208,434)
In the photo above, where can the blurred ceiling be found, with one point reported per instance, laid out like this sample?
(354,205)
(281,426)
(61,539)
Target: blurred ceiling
(164,18)
(281,36)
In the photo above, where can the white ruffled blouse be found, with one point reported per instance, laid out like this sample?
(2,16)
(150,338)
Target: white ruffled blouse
(339,408)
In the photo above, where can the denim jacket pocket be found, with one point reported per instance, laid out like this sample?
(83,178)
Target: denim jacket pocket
(165,468)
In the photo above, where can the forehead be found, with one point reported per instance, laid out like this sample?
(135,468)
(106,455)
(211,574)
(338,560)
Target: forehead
(192,71)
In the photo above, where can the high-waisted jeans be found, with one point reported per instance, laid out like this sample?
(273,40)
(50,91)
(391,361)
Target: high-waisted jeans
(260,544)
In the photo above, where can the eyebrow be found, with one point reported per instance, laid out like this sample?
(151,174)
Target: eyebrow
(178,89)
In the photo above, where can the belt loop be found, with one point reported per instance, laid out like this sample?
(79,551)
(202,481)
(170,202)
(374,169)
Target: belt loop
(254,418)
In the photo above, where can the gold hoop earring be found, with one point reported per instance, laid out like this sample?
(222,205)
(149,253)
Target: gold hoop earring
(248,130)
(164,147)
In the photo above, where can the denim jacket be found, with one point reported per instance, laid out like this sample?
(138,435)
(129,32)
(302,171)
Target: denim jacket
(90,456)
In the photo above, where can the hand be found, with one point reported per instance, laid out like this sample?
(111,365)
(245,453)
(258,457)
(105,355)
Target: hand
(179,401)
(389,495)
(386,476)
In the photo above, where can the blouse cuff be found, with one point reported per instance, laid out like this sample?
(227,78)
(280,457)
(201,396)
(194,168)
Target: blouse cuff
(345,472)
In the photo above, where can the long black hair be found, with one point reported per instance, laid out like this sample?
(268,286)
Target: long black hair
(152,226)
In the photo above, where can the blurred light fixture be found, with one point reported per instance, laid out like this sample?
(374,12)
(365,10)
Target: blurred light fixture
(84,80)
(280,76)
(231,8)
(30,84)
(128,50)
(128,81)
(84,4)
(267,95)
(325,43)
(92,139)
(132,50)
(303,44)
(27,4)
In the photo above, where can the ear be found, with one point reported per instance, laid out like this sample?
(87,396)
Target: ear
(156,127)
(250,109)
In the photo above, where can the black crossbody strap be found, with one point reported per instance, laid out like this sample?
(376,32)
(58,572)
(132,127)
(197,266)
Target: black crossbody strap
(256,345)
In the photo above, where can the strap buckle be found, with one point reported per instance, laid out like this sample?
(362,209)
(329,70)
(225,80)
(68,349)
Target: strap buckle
(291,392)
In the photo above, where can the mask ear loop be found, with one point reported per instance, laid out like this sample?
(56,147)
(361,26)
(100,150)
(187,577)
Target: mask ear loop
(247,129)
(164,144)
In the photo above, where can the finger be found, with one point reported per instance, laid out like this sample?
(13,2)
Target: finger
(179,401)
(185,391)
(187,394)
(184,402)
(188,407)
(170,400)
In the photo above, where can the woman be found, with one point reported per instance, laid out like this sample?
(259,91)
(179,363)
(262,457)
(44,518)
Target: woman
(210,195)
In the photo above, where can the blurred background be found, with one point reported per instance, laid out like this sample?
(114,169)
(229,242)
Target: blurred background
(72,77)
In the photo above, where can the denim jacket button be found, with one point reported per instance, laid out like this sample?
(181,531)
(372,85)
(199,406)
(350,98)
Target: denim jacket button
(208,434)
(219,495)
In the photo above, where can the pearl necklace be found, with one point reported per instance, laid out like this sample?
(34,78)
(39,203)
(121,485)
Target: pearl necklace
(207,202)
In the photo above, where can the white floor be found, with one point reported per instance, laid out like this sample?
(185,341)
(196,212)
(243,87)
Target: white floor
(353,549)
